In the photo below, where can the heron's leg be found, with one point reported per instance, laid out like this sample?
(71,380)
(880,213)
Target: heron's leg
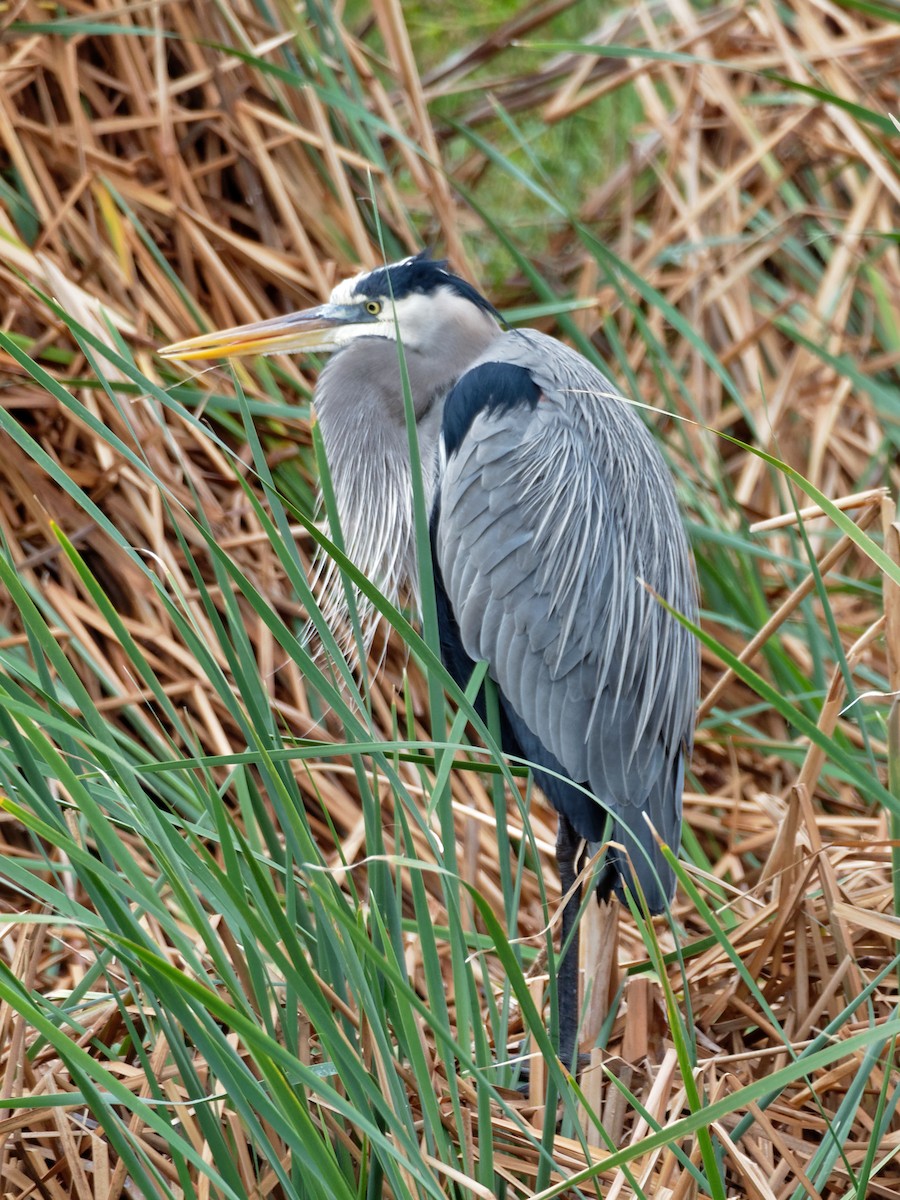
(568,845)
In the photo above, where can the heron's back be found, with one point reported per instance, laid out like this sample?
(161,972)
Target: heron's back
(556,515)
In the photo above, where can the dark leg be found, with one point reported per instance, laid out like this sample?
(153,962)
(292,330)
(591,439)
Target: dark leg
(568,845)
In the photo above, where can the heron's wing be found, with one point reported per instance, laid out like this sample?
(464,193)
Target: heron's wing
(555,511)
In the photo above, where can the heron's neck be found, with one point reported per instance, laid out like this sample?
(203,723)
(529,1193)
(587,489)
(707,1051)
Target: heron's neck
(361,412)
(362,416)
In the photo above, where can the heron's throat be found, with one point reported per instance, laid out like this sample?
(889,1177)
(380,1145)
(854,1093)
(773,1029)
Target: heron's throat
(362,420)
(360,402)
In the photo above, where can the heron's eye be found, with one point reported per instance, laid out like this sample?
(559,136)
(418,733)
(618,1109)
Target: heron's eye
(373,307)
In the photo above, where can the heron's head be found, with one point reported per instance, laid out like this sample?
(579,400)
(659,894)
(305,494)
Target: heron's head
(418,300)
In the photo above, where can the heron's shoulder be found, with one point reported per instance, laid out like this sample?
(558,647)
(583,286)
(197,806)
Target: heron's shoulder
(530,389)
(489,388)
(526,348)
(562,374)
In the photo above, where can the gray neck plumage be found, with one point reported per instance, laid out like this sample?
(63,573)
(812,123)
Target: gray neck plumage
(361,414)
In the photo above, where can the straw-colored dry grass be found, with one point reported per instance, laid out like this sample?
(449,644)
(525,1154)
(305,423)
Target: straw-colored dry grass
(765,217)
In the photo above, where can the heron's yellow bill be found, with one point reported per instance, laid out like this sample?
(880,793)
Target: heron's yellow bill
(310,330)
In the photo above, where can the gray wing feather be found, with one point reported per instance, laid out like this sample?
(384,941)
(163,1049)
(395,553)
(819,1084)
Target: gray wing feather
(551,522)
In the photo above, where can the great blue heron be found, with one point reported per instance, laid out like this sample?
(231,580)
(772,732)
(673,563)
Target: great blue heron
(554,521)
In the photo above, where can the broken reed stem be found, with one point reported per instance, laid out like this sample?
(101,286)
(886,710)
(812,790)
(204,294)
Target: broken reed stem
(891,531)
(788,606)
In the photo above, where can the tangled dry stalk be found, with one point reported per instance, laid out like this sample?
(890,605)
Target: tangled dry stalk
(757,202)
